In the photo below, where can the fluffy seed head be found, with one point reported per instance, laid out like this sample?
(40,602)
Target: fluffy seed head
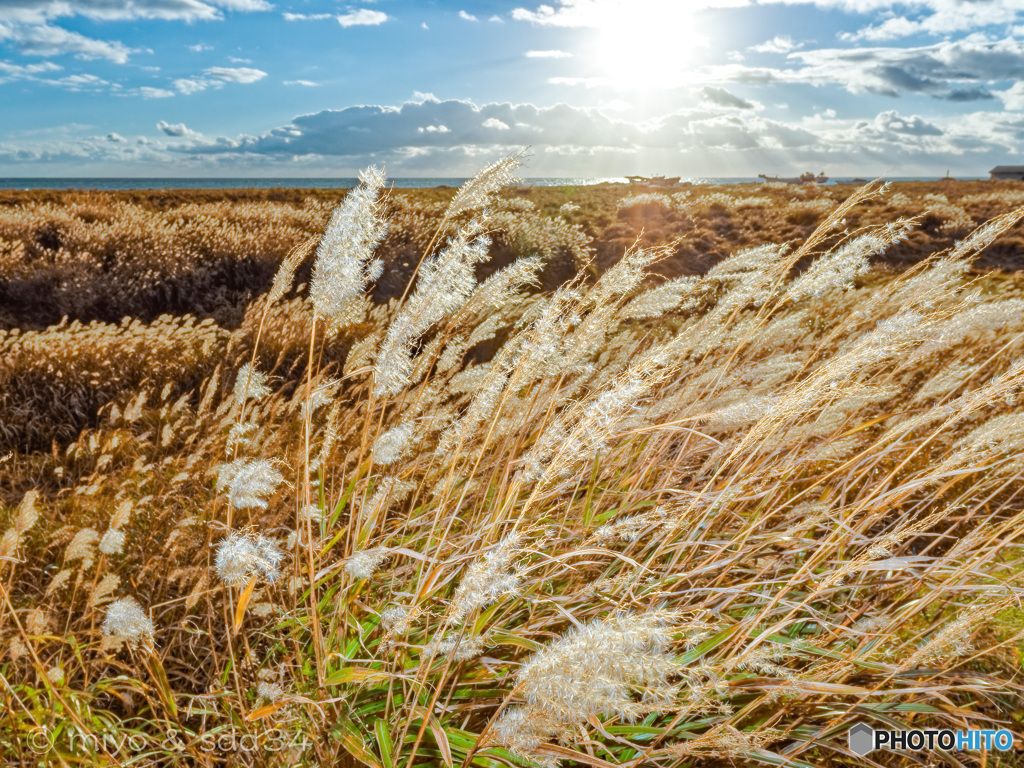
(241,557)
(112,542)
(269,691)
(477,192)
(81,547)
(365,562)
(127,621)
(248,482)
(487,579)
(391,445)
(343,266)
(250,384)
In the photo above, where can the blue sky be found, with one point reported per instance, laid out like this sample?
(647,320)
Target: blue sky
(439,88)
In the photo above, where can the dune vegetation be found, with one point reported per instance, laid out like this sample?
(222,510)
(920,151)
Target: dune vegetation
(503,477)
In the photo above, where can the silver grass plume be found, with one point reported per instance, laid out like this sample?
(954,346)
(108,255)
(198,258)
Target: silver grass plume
(501,287)
(389,491)
(618,666)
(393,444)
(627,273)
(343,265)
(581,433)
(442,288)
(248,481)
(112,542)
(362,564)
(241,557)
(840,267)
(27,516)
(81,547)
(322,394)
(455,646)
(250,384)
(269,690)
(477,192)
(679,294)
(487,579)
(127,621)
(483,406)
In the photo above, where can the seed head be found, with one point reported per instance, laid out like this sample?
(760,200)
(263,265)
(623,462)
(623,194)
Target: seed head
(127,621)
(241,557)
(269,691)
(487,579)
(391,445)
(618,666)
(112,542)
(365,562)
(343,266)
(250,384)
(248,482)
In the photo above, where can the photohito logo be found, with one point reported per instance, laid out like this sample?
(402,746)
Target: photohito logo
(863,738)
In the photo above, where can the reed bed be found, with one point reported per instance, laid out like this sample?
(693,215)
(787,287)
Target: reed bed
(712,519)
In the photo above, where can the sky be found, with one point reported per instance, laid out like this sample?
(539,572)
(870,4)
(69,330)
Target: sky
(429,88)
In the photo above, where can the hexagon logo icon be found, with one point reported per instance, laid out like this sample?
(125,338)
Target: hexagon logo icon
(861,738)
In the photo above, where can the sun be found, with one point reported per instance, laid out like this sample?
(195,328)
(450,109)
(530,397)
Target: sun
(647,45)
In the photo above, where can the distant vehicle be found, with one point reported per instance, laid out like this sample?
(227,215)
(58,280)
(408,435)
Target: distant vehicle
(803,178)
(654,181)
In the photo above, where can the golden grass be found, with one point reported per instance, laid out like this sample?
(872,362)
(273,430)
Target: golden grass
(713,520)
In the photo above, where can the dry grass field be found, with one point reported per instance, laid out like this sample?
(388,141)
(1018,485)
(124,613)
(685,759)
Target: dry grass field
(503,477)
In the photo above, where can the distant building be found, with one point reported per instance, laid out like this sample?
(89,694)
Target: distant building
(1007,173)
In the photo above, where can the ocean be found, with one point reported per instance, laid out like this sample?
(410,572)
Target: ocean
(344,183)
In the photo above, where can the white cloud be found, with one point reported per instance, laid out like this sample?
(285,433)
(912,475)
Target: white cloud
(244,5)
(215,77)
(548,54)
(190,85)
(148,92)
(176,130)
(897,26)
(496,19)
(598,13)
(916,17)
(942,17)
(200,47)
(495,124)
(235,74)
(423,25)
(467,16)
(306,83)
(41,11)
(362,18)
(567,141)
(957,71)
(116,137)
(26,70)
(46,40)
(778,44)
(1013,97)
(434,129)
(78,83)
(305,17)
(723,98)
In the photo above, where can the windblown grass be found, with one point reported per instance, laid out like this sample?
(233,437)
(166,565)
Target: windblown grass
(716,519)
